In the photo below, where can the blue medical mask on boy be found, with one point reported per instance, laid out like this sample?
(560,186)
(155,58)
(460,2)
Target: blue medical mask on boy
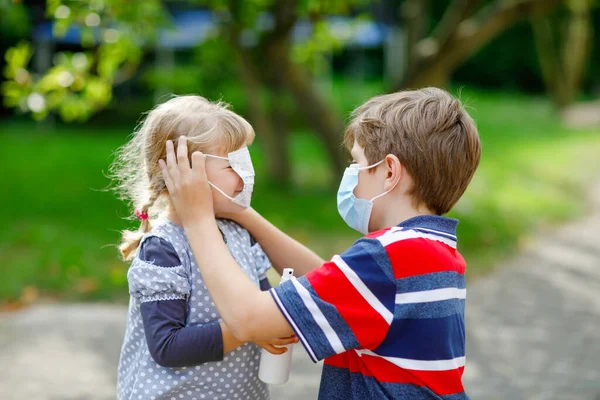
(356,212)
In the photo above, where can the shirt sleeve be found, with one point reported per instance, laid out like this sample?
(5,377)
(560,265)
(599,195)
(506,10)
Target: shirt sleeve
(265,284)
(347,303)
(170,342)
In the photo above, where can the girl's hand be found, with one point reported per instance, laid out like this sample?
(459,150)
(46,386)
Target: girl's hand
(188,185)
(270,345)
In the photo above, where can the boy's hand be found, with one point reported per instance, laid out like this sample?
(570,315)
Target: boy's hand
(270,345)
(188,185)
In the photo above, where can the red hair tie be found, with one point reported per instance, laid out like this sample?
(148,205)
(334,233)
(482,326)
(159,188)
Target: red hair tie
(141,215)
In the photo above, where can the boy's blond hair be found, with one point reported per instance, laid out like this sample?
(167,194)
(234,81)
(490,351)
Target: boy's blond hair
(209,127)
(431,134)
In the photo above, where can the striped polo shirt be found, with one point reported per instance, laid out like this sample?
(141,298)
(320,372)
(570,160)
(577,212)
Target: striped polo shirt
(387,315)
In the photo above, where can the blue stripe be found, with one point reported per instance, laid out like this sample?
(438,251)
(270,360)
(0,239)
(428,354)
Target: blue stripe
(310,331)
(294,327)
(367,258)
(434,309)
(434,280)
(434,222)
(334,318)
(407,391)
(340,384)
(425,339)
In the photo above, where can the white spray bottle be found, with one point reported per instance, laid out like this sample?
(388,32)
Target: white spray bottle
(275,368)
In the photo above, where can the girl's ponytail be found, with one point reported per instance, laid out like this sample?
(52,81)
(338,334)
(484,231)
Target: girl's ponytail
(131,239)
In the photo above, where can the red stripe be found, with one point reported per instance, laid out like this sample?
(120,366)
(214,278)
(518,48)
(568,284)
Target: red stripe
(440,382)
(410,257)
(340,360)
(332,286)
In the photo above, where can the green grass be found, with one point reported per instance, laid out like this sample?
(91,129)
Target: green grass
(58,223)
(533,174)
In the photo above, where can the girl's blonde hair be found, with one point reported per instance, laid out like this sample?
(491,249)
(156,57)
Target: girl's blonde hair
(209,127)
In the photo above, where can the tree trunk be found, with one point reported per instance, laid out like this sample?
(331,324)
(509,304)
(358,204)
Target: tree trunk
(576,48)
(274,68)
(317,112)
(547,51)
(271,132)
(267,117)
(280,148)
(563,57)
(320,115)
(414,14)
(435,64)
(279,114)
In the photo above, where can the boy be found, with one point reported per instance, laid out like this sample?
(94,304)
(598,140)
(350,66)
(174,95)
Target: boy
(388,314)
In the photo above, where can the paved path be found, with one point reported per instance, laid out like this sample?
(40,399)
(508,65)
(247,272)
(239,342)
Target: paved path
(533,332)
(533,327)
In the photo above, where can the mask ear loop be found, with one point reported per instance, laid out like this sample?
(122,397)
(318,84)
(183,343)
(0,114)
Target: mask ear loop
(222,158)
(225,158)
(370,166)
(211,184)
(384,193)
(220,191)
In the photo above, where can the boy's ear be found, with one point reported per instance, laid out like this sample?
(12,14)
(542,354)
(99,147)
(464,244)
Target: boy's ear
(394,171)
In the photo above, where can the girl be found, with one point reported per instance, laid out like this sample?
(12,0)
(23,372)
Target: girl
(175,344)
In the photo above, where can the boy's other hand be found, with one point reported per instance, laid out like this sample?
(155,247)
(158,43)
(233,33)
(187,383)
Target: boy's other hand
(187,184)
(271,345)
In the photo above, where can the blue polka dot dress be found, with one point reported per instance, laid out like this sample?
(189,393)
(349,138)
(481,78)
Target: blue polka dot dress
(236,376)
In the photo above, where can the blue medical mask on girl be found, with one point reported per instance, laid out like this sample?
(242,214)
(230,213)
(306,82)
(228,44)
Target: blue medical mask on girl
(241,163)
(356,212)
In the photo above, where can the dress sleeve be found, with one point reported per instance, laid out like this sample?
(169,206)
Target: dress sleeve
(149,281)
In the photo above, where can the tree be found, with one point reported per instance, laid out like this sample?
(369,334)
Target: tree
(563,43)
(116,32)
(80,84)
(271,63)
(465,27)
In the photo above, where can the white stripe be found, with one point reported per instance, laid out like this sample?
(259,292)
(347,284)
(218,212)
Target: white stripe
(363,289)
(311,353)
(453,237)
(396,235)
(320,319)
(420,365)
(428,296)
